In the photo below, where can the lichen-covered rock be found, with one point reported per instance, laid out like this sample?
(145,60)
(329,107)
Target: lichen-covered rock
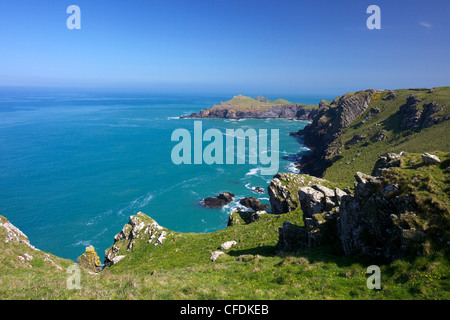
(90,260)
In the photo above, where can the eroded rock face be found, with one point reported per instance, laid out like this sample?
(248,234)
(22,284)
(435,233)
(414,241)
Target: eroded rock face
(322,134)
(414,117)
(367,219)
(140,227)
(319,205)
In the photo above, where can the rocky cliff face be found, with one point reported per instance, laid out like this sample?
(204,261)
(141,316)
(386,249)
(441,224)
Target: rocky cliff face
(289,111)
(321,135)
(382,218)
(414,117)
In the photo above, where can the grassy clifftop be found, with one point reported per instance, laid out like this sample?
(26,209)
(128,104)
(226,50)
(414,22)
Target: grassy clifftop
(244,103)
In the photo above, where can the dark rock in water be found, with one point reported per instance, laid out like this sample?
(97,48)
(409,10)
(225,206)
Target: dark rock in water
(258,190)
(252,203)
(218,201)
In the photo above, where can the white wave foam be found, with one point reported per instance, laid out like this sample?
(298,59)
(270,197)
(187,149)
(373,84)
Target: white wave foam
(253,172)
(292,168)
(84,243)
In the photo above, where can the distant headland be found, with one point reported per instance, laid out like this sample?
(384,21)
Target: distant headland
(241,107)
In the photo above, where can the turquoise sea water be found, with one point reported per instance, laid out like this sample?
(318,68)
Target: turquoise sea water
(74,166)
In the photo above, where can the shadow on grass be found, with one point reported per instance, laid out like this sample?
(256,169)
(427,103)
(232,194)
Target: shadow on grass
(324,254)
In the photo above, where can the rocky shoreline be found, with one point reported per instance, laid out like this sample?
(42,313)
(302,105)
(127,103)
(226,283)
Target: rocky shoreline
(289,111)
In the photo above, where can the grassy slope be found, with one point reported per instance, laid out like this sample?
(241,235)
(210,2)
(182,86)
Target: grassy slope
(181,269)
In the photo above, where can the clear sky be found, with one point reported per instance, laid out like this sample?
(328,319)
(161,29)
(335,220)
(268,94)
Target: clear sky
(282,46)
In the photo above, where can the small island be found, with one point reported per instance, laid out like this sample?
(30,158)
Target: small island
(241,107)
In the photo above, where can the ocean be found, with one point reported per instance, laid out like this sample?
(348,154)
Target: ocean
(75,165)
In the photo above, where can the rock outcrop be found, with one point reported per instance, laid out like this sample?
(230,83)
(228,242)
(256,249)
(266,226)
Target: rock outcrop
(139,228)
(21,252)
(319,205)
(415,116)
(283,191)
(431,159)
(90,260)
(379,219)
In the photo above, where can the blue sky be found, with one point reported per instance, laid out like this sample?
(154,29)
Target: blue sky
(284,46)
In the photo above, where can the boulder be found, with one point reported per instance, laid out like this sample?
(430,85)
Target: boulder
(227,245)
(430,159)
(215,255)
